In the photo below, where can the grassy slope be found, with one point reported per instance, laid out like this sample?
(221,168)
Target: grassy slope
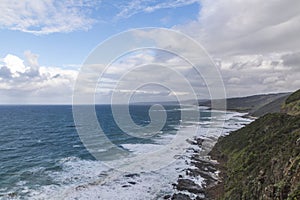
(256,105)
(262,160)
(292,104)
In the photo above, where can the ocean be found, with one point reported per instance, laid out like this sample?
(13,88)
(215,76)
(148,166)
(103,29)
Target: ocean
(42,156)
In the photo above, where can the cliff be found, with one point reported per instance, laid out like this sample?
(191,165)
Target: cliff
(292,104)
(262,160)
(256,105)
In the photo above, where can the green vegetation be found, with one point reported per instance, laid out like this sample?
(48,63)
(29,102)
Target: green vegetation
(292,104)
(293,97)
(262,160)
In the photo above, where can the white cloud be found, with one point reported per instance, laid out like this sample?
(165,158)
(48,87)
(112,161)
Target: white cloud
(255,43)
(252,74)
(53,16)
(28,81)
(144,75)
(45,16)
(229,27)
(14,64)
(234,80)
(270,79)
(137,6)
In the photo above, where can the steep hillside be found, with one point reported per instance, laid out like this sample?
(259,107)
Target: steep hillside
(292,104)
(262,160)
(256,105)
(272,107)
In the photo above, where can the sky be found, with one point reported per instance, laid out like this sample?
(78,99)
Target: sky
(44,43)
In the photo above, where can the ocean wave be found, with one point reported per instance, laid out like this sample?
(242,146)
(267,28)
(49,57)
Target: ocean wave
(77,178)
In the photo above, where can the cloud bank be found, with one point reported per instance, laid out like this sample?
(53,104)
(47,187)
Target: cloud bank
(255,43)
(28,82)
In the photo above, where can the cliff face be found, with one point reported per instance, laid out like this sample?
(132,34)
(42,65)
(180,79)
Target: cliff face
(262,160)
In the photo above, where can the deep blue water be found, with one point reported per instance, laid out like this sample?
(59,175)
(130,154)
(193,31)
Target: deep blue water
(38,137)
(35,136)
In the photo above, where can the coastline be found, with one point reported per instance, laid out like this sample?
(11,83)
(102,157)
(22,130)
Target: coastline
(187,178)
(206,165)
(201,165)
(257,155)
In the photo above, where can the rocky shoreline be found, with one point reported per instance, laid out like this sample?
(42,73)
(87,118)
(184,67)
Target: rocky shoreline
(204,164)
(201,165)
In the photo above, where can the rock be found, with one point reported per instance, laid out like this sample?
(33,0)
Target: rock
(189,185)
(132,182)
(131,175)
(207,177)
(196,141)
(204,166)
(12,195)
(199,141)
(124,186)
(180,196)
(167,196)
(80,187)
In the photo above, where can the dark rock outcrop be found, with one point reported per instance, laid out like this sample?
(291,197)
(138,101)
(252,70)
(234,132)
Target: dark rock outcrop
(189,185)
(180,196)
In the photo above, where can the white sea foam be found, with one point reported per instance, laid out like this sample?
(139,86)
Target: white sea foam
(82,180)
